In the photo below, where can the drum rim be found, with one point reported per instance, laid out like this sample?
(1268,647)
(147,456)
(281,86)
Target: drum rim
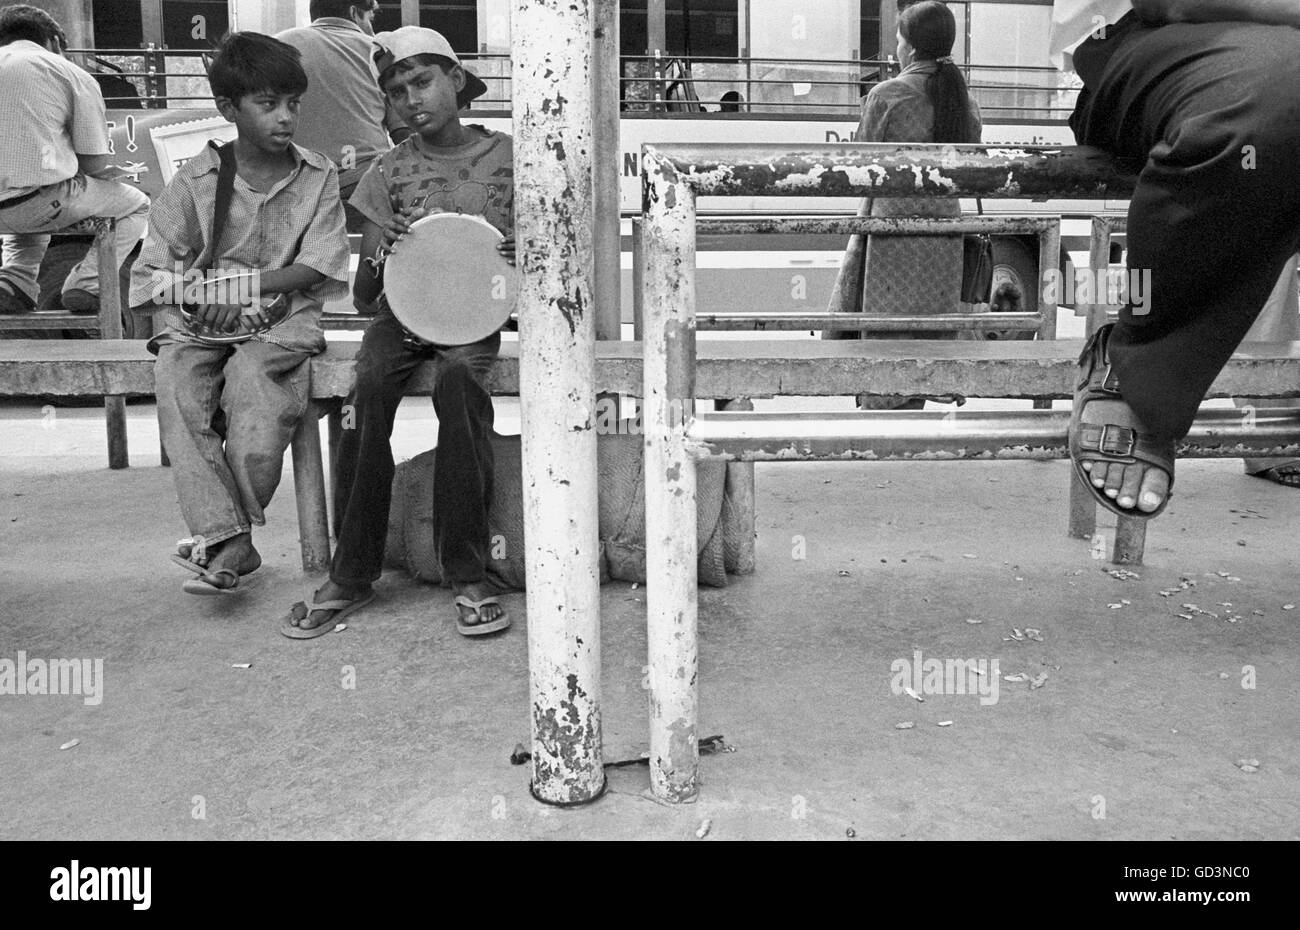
(422,221)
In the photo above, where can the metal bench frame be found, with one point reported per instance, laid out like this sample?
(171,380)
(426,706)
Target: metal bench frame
(677,436)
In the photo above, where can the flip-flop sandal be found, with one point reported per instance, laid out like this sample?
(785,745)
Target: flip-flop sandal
(301,611)
(204,587)
(1287,475)
(1123,442)
(189,565)
(481,628)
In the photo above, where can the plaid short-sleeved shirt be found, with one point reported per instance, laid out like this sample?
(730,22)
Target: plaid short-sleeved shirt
(50,111)
(298,221)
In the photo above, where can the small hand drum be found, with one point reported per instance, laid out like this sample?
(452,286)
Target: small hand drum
(225,289)
(447,283)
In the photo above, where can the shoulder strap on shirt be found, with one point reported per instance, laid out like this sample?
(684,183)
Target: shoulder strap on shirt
(225,193)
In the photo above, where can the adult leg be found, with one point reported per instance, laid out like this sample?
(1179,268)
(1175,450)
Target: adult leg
(94,197)
(20,264)
(1215,110)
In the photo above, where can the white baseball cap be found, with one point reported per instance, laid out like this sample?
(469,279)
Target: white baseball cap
(392,47)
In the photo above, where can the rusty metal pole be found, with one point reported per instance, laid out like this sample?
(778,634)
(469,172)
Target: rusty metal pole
(656,49)
(1083,508)
(606,76)
(671,557)
(551,49)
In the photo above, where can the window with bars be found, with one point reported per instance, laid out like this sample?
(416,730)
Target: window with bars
(695,28)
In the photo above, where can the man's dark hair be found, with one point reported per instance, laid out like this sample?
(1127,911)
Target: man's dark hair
(21,21)
(252,63)
(425,60)
(339,8)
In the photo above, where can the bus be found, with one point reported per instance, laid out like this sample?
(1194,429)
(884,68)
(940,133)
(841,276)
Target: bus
(699,70)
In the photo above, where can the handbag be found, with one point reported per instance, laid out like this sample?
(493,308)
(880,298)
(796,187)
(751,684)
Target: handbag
(977,266)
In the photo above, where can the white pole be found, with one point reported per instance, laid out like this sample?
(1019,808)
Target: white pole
(551,45)
(670,479)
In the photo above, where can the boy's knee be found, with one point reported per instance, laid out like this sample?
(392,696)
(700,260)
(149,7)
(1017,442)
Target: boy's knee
(462,373)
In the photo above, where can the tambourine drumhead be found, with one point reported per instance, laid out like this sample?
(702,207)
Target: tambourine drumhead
(447,283)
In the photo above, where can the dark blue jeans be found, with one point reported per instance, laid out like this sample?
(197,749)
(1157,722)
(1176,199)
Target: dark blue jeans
(462,488)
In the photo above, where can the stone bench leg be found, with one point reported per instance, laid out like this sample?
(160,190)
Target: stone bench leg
(1130,541)
(309,491)
(739,533)
(334,418)
(110,327)
(1130,532)
(1083,509)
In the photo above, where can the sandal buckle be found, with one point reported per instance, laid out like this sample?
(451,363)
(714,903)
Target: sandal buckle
(1116,440)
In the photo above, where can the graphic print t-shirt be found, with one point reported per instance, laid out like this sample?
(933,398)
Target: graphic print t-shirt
(476,178)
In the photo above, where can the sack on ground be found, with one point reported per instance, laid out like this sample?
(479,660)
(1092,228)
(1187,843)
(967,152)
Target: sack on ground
(621,499)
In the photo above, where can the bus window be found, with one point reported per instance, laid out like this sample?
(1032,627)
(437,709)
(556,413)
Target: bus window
(118,24)
(1011,76)
(389,16)
(869,38)
(197,24)
(805,56)
(692,28)
(457,21)
(701,46)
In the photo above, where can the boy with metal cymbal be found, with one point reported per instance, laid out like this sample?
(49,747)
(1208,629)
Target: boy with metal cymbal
(231,389)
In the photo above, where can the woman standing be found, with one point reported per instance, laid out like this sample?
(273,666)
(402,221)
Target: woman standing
(927,102)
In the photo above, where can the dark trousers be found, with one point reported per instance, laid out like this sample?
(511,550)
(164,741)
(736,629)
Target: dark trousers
(1213,110)
(462,490)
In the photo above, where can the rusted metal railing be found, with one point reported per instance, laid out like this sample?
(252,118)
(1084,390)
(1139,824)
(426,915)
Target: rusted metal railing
(672,179)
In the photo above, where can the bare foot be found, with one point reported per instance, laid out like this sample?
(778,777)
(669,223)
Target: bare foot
(235,554)
(477,591)
(1139,486)
(331,591)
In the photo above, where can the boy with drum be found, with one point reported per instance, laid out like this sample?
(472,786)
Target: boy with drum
(442,167)
(232,387)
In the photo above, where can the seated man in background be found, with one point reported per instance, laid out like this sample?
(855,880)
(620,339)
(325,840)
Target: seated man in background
(343,114)
(53,161)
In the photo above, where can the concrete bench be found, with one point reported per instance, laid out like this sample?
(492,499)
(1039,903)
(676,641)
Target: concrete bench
(1039,371)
